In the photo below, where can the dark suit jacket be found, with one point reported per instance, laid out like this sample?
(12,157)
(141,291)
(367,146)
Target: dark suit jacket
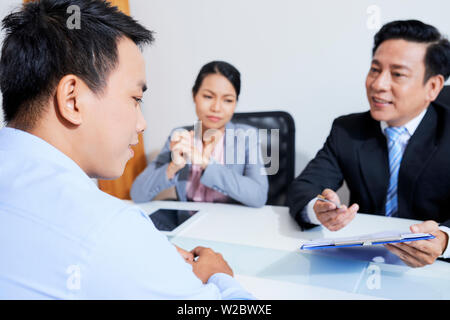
(356,151)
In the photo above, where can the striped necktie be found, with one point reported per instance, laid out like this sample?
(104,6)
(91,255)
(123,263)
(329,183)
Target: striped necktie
(395,157)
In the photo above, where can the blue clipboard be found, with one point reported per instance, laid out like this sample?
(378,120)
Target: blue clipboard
(366,240)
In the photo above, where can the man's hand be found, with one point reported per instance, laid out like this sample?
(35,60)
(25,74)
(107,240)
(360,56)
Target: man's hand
(208,263)
(422,252)
(330,216)
(186,255)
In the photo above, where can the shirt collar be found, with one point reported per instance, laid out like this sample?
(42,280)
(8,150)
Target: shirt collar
(34,147)
(410,126)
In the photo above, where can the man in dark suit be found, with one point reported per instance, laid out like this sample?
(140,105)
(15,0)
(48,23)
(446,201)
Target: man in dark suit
(394,158)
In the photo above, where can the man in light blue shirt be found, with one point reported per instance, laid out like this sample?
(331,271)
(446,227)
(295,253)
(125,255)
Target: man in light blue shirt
(71,99)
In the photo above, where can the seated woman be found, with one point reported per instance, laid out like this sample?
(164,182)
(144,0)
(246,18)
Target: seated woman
(215,166)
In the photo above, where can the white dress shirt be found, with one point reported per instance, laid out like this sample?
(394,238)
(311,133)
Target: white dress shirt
(63,238)
(308,213)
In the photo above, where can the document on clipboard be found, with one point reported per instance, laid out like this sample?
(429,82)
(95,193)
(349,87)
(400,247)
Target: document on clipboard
(366,240)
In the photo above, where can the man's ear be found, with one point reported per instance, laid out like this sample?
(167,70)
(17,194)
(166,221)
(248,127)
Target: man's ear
(67,99)
(434,87)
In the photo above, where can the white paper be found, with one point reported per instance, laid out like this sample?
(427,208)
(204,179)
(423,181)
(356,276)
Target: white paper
(367,239)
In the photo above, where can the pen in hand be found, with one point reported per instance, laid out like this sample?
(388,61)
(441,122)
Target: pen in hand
(322,198)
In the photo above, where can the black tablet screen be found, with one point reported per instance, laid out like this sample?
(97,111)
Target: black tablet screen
(169,219)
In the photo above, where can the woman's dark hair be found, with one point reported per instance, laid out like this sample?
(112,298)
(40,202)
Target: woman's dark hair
(219,67)
(437,57)
(40,48)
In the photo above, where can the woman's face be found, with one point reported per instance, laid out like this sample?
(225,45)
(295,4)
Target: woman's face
(215,102)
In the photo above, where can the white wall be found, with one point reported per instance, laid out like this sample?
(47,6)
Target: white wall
(309,58)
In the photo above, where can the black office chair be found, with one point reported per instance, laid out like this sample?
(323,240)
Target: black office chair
(444,96)
(283,121)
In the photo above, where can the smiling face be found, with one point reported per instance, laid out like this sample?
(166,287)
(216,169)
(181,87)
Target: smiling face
(114,118)
(215,102)
(395,83)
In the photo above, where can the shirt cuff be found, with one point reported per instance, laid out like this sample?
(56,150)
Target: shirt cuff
(308,214)
(446,254)
(229,288)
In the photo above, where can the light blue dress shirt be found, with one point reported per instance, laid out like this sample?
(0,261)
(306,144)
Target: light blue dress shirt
(63,238)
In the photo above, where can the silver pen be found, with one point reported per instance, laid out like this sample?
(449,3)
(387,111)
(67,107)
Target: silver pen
(322,198)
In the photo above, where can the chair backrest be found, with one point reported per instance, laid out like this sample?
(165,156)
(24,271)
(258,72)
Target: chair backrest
(284,123)
(444,96)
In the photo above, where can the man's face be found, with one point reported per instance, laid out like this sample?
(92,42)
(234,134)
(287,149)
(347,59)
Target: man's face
(114,118)
(395,82)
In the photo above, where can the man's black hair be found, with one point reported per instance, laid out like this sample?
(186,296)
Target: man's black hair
(437,57)
(39,49)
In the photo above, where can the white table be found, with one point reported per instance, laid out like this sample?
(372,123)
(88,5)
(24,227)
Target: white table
(262,247)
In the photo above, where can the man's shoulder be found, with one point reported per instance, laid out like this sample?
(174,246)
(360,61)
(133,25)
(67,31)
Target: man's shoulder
(355,126)
(442,111)
(92,215)
(440,115)
(105,206)
(352,120)
(72,203)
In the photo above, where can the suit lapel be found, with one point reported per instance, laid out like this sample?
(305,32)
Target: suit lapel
(374,165)
(420,149)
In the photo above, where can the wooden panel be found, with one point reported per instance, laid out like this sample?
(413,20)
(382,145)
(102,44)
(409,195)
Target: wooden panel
(123,5)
